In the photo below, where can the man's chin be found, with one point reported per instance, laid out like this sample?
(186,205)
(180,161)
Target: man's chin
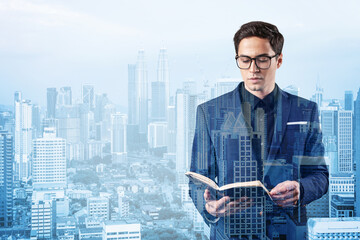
(255,88)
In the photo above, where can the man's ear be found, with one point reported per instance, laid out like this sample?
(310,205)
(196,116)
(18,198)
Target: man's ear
(279,60)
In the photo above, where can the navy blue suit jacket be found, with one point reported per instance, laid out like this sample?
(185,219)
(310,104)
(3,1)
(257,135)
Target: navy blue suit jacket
(297,142)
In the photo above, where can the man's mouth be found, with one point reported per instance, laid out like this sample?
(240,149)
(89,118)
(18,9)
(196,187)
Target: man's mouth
(255,78)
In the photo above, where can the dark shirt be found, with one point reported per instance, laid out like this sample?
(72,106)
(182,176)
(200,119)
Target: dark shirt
(268,104)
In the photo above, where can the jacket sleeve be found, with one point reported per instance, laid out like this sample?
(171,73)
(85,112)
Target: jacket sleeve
(202,162)
(314,174)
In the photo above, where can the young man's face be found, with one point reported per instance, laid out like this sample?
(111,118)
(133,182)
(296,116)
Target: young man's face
(259,82)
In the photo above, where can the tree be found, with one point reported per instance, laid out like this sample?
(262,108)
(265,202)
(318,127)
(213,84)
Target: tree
(86,177)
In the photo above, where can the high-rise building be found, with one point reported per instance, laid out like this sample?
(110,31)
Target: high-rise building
(183,149)
(23,137)
(49,161)
(163,74)
(43,219)
(186,103)
(345,141)
(356,145)
(36,121)
(64,97)
(51,102)
(98,207)
(100,102)
(6,179)
(333,228)
(88,96)
(157,134)
(171,138)
(142,92)
(349,98)
(329,127)
(158,102)
(329,121)
(123,203)
(318,96)
(118,133)
(234,140)
(133,101)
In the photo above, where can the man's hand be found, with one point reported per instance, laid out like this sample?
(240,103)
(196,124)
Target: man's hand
(223,207)
(286,194)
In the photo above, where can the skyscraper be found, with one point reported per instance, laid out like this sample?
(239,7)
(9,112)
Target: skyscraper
(142,92)
(49,161)
(182,134)
(118,133)
(318,96)
(118,137)
(349,98)
(36,121)
(88,97)
(157,134)
(345,141)
(23,137)
(65,96)
(163,73)
(329,121)
(51,102)
(357,152)
(6,179)
(171,138)
(158,101)
(132,95)
(186,103)
(100,102)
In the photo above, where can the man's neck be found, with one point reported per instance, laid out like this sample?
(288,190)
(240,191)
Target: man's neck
(260,93)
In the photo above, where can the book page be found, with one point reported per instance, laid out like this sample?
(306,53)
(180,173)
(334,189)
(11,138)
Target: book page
(202,179)
(256,183)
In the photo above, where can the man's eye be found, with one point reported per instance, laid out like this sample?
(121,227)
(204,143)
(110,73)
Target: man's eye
(245,60)
(262,59)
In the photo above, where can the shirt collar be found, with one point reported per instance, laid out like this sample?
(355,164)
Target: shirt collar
(268,102)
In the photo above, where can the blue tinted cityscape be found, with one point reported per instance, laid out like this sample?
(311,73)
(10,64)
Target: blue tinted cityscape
(83,169)
(98,107)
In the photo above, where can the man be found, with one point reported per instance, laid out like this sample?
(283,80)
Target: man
(258,132)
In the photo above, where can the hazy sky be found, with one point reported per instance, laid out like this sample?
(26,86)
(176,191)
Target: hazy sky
(68,43)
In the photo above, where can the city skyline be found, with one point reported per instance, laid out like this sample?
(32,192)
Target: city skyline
(98,109)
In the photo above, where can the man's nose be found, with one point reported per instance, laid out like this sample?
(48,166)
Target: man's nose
(253,67)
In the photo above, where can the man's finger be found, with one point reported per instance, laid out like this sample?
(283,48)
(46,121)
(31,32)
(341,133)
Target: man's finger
(284,187)
(207,195)
(287,203)
(221,202)
(285,196)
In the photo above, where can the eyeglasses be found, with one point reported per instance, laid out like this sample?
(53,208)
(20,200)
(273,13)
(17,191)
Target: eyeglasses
(261,62)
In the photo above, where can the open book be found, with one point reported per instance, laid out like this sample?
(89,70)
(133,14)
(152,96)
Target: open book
(228,189)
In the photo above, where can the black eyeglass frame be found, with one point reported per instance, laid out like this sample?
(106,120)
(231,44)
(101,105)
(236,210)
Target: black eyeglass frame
(270,57)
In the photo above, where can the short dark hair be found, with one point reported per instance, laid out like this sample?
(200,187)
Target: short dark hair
(261,30)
